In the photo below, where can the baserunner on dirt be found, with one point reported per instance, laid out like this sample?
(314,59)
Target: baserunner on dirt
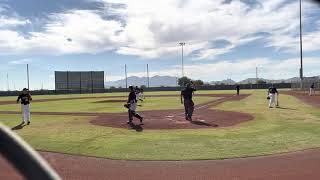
(25,98)
(186,99)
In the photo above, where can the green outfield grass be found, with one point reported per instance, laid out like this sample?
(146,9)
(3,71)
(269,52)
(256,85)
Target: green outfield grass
(13,98)
(95,105)
(295,126)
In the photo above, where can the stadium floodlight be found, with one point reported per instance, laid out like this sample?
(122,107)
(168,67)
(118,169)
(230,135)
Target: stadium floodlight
(301,49)
(182,63)
(28,79)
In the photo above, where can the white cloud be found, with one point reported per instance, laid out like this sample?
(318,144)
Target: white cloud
(21,61)
(6,22)
(153,28)
(76,31)
(241,69)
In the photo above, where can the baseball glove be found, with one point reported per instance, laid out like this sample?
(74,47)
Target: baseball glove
(268,98)
(126,105)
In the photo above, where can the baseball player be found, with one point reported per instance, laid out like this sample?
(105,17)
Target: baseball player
(139,94)
(25,99)
(238,90)
(312,90)
(132,105)
(273,96)
(186,99)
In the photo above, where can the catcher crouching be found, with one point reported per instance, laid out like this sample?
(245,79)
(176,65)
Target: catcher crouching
(131,105)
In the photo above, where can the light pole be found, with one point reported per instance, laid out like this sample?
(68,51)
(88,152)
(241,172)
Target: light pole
(126,76)
(301,50)
(182,63)
(28,77)
(148,77)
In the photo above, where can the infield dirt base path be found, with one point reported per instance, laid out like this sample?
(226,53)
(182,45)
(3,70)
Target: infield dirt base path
(304,96)
(303,165)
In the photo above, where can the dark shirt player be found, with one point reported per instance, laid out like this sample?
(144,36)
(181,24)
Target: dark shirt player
(273,96)
(186,99)
(25,99)
(238,89)
(132,105)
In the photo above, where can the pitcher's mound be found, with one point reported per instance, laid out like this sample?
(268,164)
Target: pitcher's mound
(174,119)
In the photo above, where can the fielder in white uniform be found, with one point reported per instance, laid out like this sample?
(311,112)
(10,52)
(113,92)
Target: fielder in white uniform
(273,96)
(25,99)
(139,94)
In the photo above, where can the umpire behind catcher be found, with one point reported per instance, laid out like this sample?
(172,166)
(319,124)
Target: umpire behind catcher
(186,94)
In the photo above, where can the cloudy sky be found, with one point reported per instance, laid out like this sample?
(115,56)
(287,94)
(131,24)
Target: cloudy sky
(224,38)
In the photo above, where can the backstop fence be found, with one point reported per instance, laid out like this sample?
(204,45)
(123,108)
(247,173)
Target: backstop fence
(306,84)
(79,81)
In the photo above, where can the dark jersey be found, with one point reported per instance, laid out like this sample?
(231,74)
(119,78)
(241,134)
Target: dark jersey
(273,90)
(312,86)
(132,97)
(25,99)
(238,88)
(187,93)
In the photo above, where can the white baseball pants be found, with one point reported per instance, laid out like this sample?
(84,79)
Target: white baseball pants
(273,99)
(25,109)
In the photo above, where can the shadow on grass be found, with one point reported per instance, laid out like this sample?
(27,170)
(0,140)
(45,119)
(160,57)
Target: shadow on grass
(18,127)
(286,108)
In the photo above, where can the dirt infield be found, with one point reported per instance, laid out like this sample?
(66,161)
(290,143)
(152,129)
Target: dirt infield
(291,166)
(175,119)
(304,96)
(204,117)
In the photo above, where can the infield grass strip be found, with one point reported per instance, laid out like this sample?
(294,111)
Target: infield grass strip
(95,105)
(295,126)
(125,94)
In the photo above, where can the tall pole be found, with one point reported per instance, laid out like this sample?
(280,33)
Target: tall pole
(148,77)
(257,75)
(8,88)
(91,82)
(126,75)
(182,60)
(301,49)
(28,76)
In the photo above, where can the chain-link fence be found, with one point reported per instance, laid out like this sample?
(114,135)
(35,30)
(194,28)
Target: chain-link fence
(306,84)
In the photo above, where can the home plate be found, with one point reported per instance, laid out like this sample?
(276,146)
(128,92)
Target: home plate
(170,116)
(201,120)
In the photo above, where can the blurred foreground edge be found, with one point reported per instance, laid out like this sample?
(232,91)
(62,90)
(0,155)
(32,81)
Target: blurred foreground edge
(26,160)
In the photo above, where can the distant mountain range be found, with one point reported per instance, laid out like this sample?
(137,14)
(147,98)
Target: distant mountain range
(170,81)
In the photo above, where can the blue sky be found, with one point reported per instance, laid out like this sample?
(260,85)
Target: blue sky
(224,38)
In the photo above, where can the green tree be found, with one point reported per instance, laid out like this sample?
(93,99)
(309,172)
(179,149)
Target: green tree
(183,80)
(260,81)
(198,83)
